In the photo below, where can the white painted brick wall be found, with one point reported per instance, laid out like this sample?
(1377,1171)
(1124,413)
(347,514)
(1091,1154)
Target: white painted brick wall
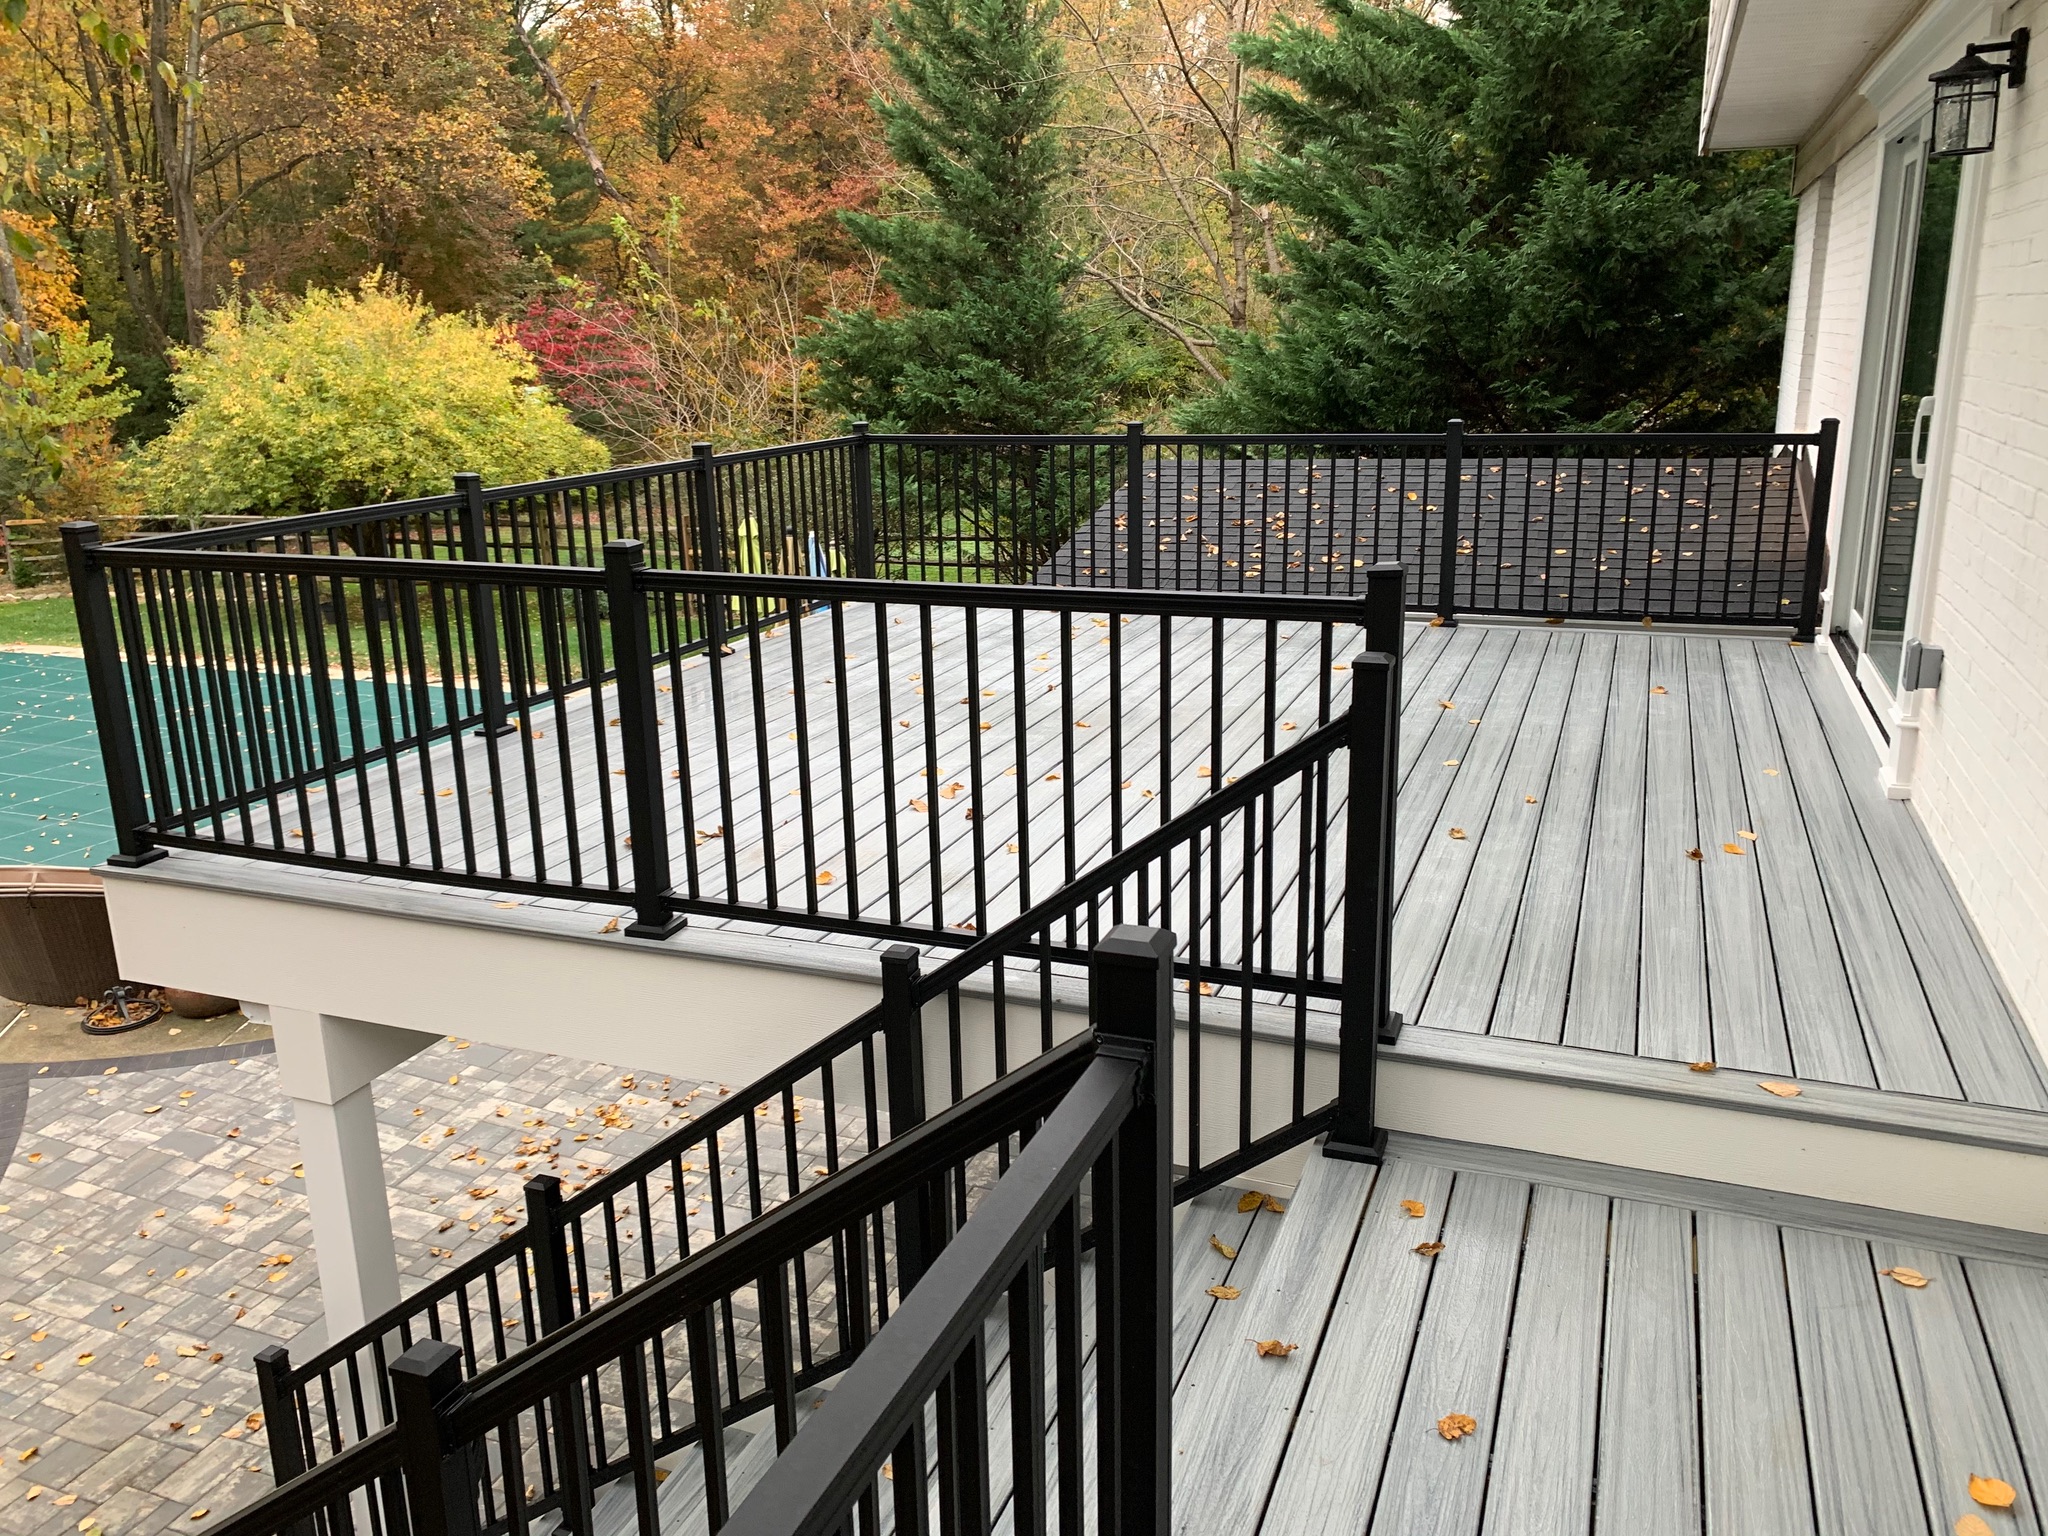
(1982,783)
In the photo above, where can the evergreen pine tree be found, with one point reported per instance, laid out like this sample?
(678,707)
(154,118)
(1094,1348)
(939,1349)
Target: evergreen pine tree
(1505,217)
(982,337)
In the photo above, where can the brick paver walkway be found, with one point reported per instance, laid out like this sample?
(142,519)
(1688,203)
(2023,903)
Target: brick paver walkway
(142,1218)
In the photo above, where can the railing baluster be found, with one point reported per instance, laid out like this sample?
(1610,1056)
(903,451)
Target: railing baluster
(1815,574)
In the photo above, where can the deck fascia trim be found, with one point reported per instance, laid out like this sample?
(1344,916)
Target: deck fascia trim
(1971,1239)
(1863,1109)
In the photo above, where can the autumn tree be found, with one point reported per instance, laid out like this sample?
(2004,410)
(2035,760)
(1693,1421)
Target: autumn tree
(342,398)
(980,333)
(1504,216)
(1165,223)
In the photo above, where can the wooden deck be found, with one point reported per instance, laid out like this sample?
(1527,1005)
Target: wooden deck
(1632,1358)
(1653,844)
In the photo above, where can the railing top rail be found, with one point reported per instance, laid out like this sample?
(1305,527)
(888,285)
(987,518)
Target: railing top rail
(899,1165)
(321,1487)
(442,1286)
(859,1424)
(1168,602)
(1207,811)
(260,527)
(1729,440)
(126,556)
(732,1109)
(1296,439)
(1001,439)
(621,472)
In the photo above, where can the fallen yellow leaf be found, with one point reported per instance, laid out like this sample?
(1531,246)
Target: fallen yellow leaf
(1660,688)
(1222,1247)
(1250,1200)
(1270,1347)
(1913,1280)
(1733,848)
(1429,1250)
(1414,1207)
(824,877)
(1273,1205)
(1972,1525)
(1699,1066)
(1694,854)
(1457,834)
(1223,1292)
(1745,834)
(1991,1492)
(1455,1426)
(610,927)
(1782,1090)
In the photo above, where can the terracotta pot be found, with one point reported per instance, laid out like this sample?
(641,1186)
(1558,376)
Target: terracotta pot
(197,1005)
(55,946)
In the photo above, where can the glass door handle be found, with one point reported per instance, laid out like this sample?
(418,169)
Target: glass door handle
(1923,431)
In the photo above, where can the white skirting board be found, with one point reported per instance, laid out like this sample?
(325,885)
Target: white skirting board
(725,1006)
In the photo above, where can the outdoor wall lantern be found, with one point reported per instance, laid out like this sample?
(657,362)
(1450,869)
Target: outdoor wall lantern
(1966,95)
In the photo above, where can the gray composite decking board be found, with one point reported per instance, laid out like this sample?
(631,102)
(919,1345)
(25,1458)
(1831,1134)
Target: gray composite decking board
(1672,1021)
(1600,1012)
(1234,1410)
(1545,1430)
(1649,1458)
(1954,1407)
(1523,709)
(1752,1437)
(1995,1066)
(1433,1486)
(1536,982)
(1465,972)
(1742,972)
(1427,783)
(1906,1048)
(1330,1475)
(1821,1021)
(1858,1450)
(2012,1306)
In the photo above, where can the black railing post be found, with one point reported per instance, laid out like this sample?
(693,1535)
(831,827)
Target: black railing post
(281,1419)
(1130,1005)
(1134,504)
(639,746)
(903,1043)
(1817,531)
(552,1292)
(1368,909)
(101,641)
(441,1481)
(1386,616)
(483,608)
(863,502)
(551,1283)
(1452,504)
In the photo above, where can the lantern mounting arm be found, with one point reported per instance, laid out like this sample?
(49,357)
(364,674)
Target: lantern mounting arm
(2015,50)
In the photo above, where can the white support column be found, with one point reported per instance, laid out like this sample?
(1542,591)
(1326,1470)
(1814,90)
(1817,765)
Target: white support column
(328,1067)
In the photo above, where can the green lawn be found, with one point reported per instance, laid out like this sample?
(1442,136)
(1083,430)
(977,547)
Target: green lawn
(40,620)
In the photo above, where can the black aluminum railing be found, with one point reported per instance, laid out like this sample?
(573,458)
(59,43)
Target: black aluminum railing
(1726,528)
(870,1261)
(1283,979)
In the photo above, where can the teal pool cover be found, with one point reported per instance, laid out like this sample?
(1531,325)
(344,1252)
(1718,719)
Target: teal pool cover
(53,799)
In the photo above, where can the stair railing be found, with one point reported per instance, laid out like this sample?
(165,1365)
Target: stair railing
(1283,1037)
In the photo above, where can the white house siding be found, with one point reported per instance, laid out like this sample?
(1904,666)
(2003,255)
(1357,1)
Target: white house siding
(1824,329)
(1981,785)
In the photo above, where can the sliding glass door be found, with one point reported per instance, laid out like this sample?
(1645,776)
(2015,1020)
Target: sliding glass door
(1910,291)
